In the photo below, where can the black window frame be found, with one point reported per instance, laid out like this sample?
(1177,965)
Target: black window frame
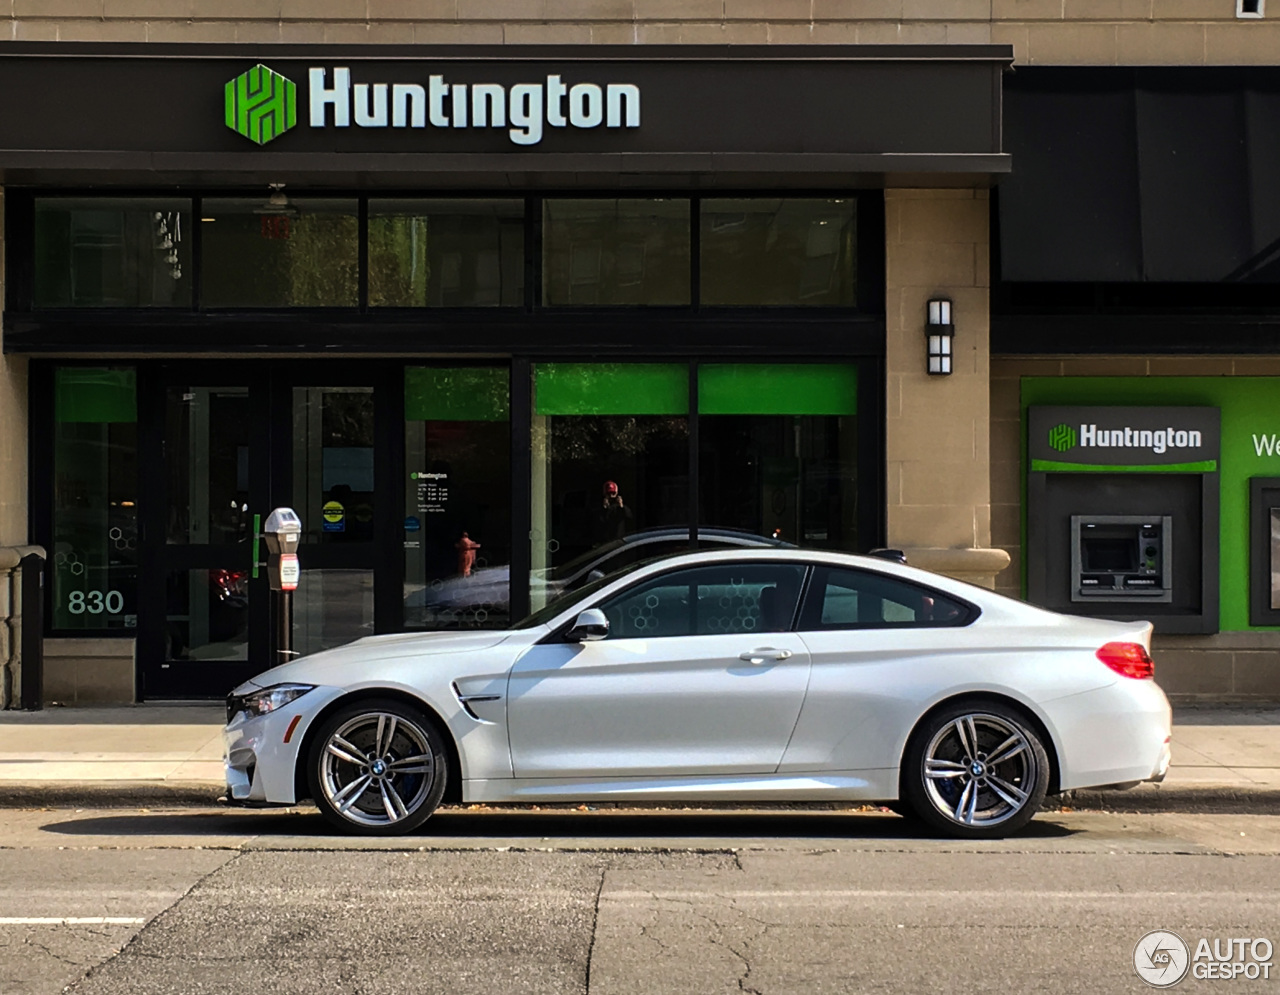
(810,616)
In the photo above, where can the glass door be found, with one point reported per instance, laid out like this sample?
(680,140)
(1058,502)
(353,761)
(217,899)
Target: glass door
(226,444)
(203,624)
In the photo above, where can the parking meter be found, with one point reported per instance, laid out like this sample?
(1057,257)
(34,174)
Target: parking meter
(283,532)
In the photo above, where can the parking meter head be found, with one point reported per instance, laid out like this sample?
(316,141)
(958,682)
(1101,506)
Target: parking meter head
(283,530)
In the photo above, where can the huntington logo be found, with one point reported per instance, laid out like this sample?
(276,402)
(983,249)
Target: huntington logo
(261,104)
(1062,438)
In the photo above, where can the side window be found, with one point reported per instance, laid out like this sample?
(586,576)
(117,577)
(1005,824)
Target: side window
(725,598)
(856,599)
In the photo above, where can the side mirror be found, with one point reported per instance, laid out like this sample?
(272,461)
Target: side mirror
(595,575)
(589,626)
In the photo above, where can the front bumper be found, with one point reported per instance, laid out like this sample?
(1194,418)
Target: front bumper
(260,753)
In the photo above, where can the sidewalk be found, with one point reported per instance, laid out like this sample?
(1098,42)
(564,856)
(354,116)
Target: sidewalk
(1224,758)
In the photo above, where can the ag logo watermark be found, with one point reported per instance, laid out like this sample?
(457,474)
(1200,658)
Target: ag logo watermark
(1162,959)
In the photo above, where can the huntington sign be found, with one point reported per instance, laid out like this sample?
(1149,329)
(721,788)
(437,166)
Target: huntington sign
(261,104)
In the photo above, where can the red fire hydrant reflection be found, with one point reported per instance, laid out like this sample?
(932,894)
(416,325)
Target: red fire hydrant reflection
(466,547)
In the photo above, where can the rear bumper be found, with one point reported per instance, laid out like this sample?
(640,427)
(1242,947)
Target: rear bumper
(1113,735)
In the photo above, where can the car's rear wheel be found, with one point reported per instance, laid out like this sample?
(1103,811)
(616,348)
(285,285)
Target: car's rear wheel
(976,770)
(377,768)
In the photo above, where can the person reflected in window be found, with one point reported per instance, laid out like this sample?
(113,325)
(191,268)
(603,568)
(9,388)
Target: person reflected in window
(613,518)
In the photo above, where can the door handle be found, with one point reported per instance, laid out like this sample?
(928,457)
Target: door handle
(765,653)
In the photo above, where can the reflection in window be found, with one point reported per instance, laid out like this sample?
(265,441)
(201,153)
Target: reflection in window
(112,252)
(779,451)
(207,436)
(279,252)
(207,615)
(615,252)
(610,464)
(457,497)
(94,559)
(446,253)
(331,607)
(856,599)
(779,251)
(333,486)
(707,601)
(1275,559)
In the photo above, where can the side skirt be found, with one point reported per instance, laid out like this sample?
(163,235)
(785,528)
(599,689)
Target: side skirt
(859,785)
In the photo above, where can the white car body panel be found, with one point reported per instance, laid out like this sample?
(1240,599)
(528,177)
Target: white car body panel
(684,705)
(682,718)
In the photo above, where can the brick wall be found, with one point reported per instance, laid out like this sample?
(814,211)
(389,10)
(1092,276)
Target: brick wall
(1054,32)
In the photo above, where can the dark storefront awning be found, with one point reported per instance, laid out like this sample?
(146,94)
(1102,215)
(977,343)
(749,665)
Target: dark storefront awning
(517,116)
(1125,175)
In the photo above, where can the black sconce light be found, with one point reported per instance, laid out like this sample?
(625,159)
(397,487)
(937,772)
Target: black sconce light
(939,333)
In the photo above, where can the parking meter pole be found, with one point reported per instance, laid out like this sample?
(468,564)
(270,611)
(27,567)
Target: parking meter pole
(284,627)
(282,531)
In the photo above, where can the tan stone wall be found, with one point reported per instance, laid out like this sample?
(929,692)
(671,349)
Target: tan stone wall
(937,482)
(13,434)
(1051,32)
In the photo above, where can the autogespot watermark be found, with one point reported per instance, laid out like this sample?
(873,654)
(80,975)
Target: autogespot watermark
(1162,958)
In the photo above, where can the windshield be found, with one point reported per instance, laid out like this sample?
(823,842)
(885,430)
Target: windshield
(563,601)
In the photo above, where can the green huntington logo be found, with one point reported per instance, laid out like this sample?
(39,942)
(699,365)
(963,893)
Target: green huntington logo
(1062,438)
(261,104)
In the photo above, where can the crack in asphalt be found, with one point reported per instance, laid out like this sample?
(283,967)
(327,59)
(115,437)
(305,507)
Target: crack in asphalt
(595,924)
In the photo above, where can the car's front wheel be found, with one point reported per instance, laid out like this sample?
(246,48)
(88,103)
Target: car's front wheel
(377,768)
(976,770)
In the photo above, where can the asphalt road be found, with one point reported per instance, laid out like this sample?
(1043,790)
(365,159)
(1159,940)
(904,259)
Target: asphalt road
(138,902)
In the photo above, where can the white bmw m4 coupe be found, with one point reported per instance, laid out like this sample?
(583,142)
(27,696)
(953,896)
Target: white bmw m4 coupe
(757,675)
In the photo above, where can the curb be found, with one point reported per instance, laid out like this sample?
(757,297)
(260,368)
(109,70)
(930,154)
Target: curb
(108,794)
(1211,799)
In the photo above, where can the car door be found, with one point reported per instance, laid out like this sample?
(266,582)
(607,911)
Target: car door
(879,644)
(700,674)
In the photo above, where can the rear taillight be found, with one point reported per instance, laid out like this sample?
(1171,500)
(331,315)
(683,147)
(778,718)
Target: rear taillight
(1128,660)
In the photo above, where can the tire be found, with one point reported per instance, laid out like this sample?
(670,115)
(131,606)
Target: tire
(377,767)
(956,789)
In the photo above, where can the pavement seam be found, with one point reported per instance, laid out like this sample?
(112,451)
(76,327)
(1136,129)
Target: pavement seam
(236,855)
(595,925)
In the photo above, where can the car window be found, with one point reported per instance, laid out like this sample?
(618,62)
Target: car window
(864,599)
(723,598)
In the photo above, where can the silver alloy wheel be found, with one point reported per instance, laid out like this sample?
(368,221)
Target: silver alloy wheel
(377,769)
(980,770)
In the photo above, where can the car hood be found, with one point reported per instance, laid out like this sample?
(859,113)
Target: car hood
(338,665)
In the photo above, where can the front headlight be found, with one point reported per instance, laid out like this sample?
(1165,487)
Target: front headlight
(269,699)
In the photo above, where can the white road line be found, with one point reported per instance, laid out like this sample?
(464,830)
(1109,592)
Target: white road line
(70,921)
(847,894)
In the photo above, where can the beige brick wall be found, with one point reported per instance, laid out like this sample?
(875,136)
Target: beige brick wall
(937,480)
(1053,32)
(13,434)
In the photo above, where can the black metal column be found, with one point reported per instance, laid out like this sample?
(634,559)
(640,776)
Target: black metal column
(32,692)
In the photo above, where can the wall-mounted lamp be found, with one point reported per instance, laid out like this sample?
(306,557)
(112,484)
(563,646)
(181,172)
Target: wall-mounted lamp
(939,333)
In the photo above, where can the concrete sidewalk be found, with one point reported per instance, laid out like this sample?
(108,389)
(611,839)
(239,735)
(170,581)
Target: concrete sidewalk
(1225,758)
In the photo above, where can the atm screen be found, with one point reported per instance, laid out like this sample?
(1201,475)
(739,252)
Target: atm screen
(1110,554)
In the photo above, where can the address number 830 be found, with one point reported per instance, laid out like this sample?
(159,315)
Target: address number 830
(95,602)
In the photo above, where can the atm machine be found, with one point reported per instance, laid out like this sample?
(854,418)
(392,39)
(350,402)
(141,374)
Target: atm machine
(1122,513)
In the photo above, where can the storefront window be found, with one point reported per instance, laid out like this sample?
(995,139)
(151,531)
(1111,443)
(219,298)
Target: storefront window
(95,499)
(610,452)
(112,252)
(457,497)
(333,487)
(615,252)
(292,253)
(778,451)
(779,251)
(446,253)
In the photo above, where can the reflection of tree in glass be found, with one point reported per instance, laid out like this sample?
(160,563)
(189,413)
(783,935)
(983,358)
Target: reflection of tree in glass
(347,418)
(399,265)
(322,260)
(594,437)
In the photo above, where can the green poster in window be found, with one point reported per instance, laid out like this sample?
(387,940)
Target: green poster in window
(777,389)
(611,389)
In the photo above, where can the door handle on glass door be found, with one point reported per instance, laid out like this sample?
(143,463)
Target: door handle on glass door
(765,653)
